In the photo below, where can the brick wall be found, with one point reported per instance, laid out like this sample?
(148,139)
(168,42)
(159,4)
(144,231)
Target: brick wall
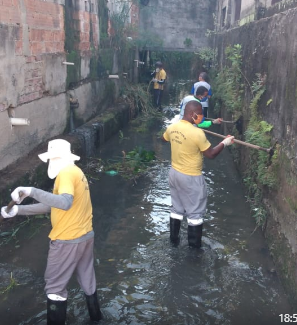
(39,29)
(84,21)
(33,78)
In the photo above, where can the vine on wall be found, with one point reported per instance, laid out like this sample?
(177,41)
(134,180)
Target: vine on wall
(229,84)
(261,172)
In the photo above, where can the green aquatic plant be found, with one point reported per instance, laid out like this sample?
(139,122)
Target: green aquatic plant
(130,165)
(12,285)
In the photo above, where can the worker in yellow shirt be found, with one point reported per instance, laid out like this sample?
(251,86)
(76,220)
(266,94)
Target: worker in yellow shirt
(159,78)
(72,236)
(186,181)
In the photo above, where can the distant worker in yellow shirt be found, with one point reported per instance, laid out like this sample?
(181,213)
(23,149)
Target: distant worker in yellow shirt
(159,77)
(72,236)
(186,181)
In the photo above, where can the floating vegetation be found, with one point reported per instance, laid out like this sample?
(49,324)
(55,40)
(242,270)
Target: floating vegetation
(13,283)
(130,165)
(11,235)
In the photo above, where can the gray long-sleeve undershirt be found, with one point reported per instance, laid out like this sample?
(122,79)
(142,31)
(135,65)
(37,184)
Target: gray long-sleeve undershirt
(47,201)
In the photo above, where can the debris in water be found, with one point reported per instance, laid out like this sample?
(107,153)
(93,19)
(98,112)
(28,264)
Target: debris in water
(111,172)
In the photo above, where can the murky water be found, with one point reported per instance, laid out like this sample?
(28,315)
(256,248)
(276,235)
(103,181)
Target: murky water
(141,278)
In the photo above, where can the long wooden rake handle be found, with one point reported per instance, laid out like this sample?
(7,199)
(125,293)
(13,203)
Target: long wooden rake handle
(223,121)
(254,146)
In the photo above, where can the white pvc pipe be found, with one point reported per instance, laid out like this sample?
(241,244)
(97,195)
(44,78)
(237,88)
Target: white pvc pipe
(113,76)
(68,63)
(19,121)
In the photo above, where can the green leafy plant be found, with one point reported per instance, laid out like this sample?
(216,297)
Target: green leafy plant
(229,82)
(207,56)
(121,136)
(262,168)
(269,102)
(188,42)
(138,98)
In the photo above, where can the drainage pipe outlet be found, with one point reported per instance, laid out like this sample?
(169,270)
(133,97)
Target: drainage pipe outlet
(19,121)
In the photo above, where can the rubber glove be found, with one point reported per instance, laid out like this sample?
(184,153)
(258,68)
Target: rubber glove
(12,213)
(154,80)
(15,195)
(217,121)
(228,141)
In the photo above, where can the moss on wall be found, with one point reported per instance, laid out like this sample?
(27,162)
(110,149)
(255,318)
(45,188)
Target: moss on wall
(105,61)
(103,19)
(73,71)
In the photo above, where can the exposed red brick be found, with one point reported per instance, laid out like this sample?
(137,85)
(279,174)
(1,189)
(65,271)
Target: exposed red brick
(29,97)
(35,35)
(47,8)
(60,47)
(14,16)
(36,48)
(30,5)
(49,47)
(7,3)
(4,15)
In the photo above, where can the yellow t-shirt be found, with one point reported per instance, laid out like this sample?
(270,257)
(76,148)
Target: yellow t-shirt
(161,75)
(187,143)
(77,221)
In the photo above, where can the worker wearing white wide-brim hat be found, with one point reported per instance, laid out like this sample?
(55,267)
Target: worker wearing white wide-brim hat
(72,233)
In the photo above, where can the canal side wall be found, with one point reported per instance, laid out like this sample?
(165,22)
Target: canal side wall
(269,46)
(85,140)
(37,38)
(180,25)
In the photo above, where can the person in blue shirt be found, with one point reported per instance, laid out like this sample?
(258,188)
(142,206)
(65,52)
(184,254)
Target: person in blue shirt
(202,82)
(201,92)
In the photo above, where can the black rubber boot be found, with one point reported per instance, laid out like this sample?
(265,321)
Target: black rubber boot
(174,230)
(195,235)
(56,312)
(93,307)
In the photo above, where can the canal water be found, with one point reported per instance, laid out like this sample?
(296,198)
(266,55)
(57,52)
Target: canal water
(141,278)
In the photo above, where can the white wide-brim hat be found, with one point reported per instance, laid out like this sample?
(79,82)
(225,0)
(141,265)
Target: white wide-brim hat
(59,155)
(58,148)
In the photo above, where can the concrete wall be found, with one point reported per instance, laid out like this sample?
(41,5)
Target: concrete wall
(175,21)
(250,10)
(33,78)
(247,7)
(270,46)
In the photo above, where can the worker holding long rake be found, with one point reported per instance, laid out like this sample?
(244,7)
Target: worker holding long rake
(186,181)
